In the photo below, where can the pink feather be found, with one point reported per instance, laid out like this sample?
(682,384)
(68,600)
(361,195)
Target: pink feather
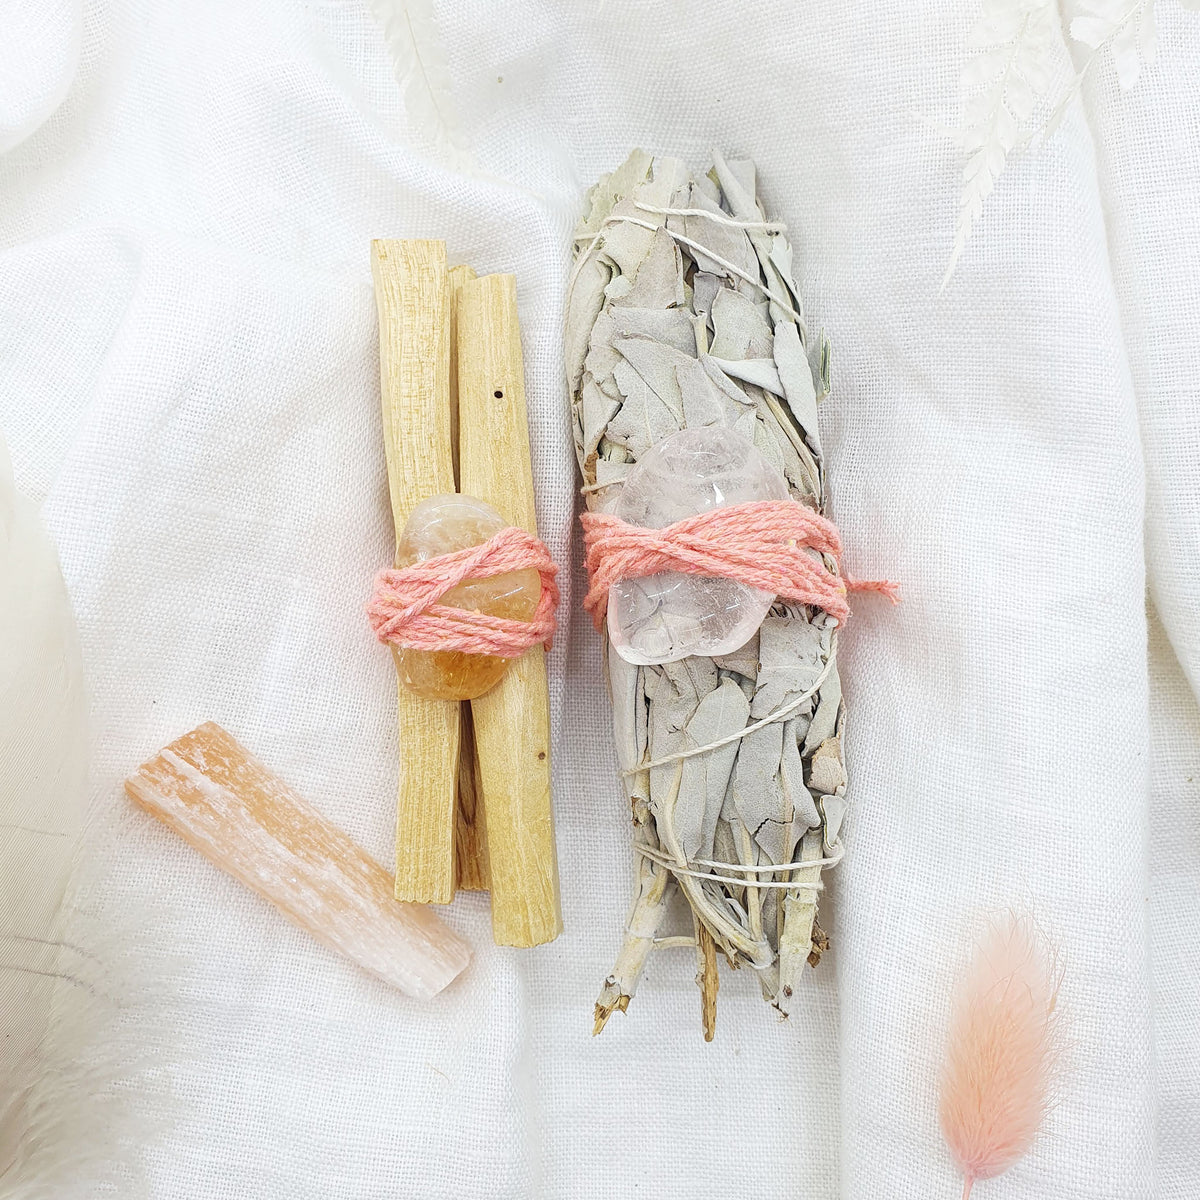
(1000,1051)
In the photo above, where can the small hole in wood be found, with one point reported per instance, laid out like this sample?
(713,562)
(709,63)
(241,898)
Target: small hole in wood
(541,755)
(499,395)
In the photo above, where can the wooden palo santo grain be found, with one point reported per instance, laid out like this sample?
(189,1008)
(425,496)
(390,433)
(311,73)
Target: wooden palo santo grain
(512,721)
(224,803)
(412,295)
(469,848)
(456,277)
(468,836)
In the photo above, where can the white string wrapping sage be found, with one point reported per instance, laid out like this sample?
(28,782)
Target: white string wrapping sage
(677,868)
(779,714)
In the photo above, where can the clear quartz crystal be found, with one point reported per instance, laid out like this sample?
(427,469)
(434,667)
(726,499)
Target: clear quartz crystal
(665,617)
(440,525)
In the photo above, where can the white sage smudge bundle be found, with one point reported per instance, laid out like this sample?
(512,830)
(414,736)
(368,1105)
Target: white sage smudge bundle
(682,312)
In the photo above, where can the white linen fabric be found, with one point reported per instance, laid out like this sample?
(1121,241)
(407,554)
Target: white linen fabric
(39,53)
(188,386)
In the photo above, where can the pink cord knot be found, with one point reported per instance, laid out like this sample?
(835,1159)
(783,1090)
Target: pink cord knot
(404,609)
(762,543)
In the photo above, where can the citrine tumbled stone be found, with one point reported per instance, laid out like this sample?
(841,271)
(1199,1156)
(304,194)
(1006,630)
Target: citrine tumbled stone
(440,525)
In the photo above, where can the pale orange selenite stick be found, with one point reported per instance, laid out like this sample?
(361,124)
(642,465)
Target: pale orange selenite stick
(223,802)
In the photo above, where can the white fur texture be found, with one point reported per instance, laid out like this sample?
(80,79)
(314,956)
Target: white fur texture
(79,1058)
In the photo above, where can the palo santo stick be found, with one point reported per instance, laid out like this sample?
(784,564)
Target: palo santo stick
(226,804)
(512,721)
(456,277)
(469,848)
(412,296)
(468,838)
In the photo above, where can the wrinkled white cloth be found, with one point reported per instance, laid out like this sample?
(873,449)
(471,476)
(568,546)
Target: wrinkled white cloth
(39,54)
(188,385)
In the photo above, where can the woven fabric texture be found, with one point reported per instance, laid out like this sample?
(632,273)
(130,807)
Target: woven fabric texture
(189,388)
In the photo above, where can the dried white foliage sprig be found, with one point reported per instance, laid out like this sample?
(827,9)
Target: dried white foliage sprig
(1020,80)
(423,73)
(1018,57)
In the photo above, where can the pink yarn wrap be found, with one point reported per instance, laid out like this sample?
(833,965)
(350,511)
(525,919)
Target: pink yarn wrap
(761,543)
(404,609)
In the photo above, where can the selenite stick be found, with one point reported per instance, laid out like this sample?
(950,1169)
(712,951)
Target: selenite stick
(224,803)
